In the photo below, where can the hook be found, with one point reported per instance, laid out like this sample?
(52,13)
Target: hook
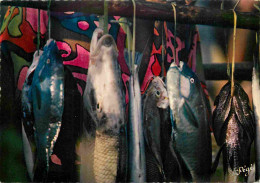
(175,26)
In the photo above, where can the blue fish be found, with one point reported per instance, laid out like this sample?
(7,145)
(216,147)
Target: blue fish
(190,118)
(27,116)
(48,103)
(137,167)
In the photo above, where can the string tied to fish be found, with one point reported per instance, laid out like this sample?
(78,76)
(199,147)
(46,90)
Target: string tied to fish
(175,26)
(49,19)
(38,32)
(233,50)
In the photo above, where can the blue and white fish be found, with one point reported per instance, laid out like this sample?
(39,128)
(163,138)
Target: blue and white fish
(190,121)
(104,101)
(27,116)
(137,166)
(48,103)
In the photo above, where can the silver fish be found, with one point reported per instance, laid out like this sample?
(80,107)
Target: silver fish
(137,169)
(104,101)
(48,102)
(154,99)
(190,121)
(27,116)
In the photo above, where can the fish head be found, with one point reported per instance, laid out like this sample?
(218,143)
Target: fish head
(104,94)
(101,43)
(158,89)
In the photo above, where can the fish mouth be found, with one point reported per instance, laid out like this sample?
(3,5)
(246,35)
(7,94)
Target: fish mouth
(99,40)
(179,67)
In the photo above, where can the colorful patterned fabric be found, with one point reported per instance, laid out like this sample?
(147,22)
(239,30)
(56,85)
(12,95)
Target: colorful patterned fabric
(73,32)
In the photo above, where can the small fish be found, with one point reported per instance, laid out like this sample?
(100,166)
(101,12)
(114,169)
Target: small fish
(256,104)
(27,116)
(137,168)
(48,103)
(233,127)
(154,99)
(190,121)
(104,101)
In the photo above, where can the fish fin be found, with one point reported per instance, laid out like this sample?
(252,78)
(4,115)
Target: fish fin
(38,96)
(192,118)
(216,161)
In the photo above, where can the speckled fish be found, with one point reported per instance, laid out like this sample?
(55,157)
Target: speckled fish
(154,99)
(104,100)
(48,102)
(27,116)
(137,167)
(233,127)
(190,121)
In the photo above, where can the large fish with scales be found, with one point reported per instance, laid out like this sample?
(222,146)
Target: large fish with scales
(47,102)
(104,101)
(234,130)
(190,121)
(28,118)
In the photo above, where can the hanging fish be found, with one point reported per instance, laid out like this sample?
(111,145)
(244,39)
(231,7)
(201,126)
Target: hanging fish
(48,101)
(137,172)
(27,116)
(256,104)
(104,100)
(190,121)
(154,99)
(234,130)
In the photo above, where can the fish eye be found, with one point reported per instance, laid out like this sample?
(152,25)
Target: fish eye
(191,80)
(97,105)
(158,93)
(48,61)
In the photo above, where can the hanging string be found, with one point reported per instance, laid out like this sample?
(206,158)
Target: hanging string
(105,17)
(134,28)
(162,70)
(39,32)
(233,53)
(175,26)
(49,19)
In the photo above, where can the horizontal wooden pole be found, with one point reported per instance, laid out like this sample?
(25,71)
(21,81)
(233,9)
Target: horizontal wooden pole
(218,71)
(149,10)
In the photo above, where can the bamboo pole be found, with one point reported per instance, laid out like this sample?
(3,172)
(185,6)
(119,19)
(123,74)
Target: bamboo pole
(150,10)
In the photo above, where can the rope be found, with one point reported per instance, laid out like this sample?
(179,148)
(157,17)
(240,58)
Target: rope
(233,53)
(162,74)
(134,28)
(38,32)
(49,19)
(174,12)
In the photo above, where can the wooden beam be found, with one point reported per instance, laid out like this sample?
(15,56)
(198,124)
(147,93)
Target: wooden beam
(149,10)
(218,71)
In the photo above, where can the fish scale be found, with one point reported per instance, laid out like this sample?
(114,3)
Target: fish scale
(105,158)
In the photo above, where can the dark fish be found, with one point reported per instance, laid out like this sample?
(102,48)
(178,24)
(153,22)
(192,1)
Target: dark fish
(154,99)
(104,101)
(137,172)
(233,127)
(28,118)
(48,102)
(190,120)
(256,104)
